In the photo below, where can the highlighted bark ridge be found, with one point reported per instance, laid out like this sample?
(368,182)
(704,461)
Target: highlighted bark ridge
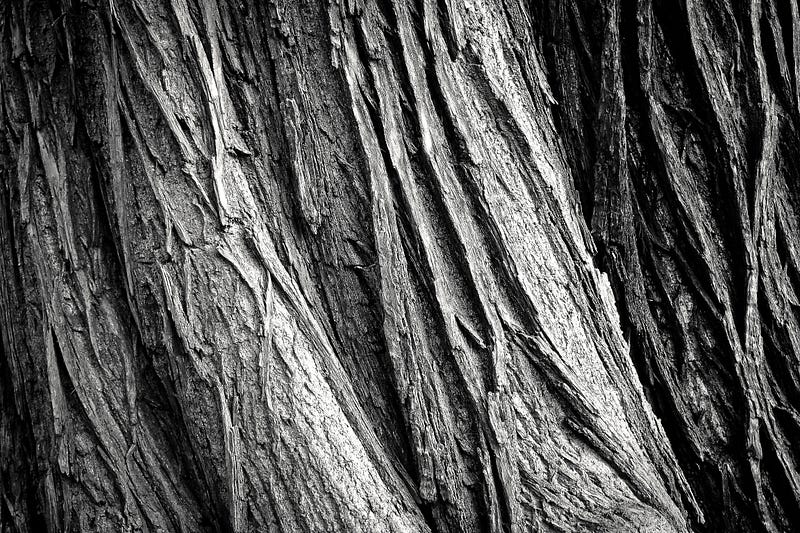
(399,266)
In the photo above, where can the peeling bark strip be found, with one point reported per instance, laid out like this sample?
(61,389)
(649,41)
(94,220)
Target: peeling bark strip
(399,265)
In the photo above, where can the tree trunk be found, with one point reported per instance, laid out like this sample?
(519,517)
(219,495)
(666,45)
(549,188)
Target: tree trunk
(399,265)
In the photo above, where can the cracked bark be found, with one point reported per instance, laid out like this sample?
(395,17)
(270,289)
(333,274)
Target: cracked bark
(403,265)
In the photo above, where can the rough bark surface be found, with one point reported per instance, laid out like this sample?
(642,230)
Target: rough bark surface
(399,265)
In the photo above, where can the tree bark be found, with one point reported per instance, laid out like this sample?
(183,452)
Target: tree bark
(399,265)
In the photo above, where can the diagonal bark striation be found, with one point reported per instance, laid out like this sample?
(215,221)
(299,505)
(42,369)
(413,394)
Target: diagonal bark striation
(405,265)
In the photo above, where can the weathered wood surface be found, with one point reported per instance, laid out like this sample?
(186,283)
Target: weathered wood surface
(405,265)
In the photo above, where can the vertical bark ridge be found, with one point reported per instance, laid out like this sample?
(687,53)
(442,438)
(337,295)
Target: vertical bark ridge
(384,120)
(689,146)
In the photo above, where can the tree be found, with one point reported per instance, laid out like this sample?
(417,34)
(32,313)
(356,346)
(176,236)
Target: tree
(400,265)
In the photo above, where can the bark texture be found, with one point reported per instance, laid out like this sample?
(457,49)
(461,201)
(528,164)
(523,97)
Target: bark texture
(399,265)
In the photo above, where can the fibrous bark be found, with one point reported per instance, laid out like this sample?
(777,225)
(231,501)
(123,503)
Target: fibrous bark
(399,265)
